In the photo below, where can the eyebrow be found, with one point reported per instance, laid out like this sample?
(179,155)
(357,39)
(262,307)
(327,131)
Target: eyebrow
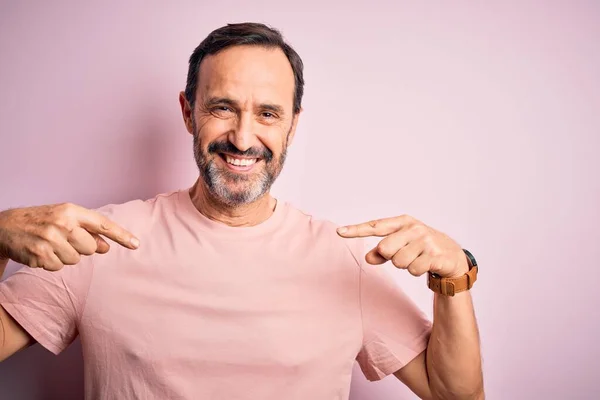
(213,101)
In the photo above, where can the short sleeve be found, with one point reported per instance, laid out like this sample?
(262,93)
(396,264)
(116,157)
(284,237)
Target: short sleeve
(395,330)
(48,305)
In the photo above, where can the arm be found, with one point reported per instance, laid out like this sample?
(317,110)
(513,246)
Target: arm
(451,366)
(453,357)
(13,337)
(38,301)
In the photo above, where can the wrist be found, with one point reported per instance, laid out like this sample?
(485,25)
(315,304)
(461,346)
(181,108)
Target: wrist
(456,282)
(460,271)
(458,274)
(465,266)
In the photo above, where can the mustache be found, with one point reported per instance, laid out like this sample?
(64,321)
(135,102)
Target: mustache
(228,147)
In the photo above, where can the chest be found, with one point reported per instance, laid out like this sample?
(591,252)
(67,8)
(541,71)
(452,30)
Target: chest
(274,312)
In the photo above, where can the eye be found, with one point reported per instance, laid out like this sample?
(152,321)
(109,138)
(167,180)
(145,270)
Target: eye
(221,111)
(268,115)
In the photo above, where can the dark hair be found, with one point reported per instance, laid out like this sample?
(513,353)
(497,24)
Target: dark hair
(249,34)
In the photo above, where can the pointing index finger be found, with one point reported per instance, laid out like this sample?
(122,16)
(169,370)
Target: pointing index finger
(379,227)
(97,223)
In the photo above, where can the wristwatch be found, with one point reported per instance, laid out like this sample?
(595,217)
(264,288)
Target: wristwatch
(451,286)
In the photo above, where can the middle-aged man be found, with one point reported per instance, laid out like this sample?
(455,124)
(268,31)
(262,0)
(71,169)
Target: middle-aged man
(225,292)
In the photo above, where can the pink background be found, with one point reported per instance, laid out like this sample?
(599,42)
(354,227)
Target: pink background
(481,120)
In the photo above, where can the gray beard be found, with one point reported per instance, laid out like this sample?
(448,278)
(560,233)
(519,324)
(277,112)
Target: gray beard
(253,186)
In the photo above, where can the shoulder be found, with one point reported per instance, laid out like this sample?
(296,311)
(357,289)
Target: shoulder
(140,214)
(324,231)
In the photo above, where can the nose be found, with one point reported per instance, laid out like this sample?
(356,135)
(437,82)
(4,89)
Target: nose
(243,136)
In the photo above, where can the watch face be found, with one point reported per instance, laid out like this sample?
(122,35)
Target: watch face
(472,260)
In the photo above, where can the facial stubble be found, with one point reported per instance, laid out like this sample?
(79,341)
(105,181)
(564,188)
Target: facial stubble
(219,181)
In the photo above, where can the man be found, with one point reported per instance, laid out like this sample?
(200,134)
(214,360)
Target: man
(225,292)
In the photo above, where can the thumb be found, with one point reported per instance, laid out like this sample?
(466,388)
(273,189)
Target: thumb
(373,257)
(102,245)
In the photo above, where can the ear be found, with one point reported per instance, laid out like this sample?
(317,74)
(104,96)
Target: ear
(292,132)
(186,112)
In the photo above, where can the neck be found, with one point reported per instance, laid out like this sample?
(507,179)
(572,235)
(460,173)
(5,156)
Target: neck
(238,216)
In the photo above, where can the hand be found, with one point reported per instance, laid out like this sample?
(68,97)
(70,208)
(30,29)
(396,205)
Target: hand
(411,245)
(52,236)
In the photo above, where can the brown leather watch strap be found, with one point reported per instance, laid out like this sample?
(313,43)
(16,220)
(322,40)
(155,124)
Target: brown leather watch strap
(451,286)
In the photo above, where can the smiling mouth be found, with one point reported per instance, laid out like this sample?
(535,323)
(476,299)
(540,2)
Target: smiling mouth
(238,163)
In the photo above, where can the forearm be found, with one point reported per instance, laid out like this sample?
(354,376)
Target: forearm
(453,353)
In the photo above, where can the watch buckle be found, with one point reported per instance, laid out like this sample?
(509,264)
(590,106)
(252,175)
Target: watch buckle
(447,287)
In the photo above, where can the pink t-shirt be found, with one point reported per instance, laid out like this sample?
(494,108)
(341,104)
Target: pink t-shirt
(202,310)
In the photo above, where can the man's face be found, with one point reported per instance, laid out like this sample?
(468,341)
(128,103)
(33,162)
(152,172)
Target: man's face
(242,121)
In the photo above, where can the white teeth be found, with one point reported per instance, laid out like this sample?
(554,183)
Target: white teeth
(242,162)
